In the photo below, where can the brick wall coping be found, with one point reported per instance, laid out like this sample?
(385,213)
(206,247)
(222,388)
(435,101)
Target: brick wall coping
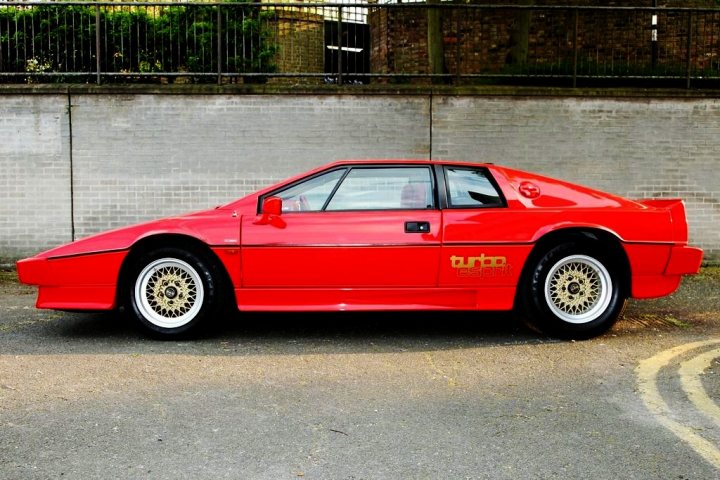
(503,91)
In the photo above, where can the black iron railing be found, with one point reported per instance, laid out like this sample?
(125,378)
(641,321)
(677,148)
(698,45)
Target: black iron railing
(142,42)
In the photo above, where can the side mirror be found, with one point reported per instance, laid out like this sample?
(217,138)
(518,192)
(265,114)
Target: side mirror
(272,206)
(271,210)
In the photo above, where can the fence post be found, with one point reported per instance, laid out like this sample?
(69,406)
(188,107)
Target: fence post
(575,49)
(654,36)
(219,45)
(339,41)
(689,50)
(97,42)
(458,56)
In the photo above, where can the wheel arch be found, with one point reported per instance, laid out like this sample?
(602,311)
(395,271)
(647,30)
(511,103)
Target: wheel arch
(587,235)
(163,240)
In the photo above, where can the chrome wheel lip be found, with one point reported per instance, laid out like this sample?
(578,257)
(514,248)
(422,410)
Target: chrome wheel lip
(578,300)
(189,280)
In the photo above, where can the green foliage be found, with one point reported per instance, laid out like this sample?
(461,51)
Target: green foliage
(47,40)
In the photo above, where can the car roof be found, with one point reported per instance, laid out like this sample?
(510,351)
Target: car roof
(404,161)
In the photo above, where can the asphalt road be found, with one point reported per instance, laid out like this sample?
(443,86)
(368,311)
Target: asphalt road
(362,396)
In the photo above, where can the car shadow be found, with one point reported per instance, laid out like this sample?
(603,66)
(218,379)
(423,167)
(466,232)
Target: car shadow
(392,331)
(26,331)
(276,333)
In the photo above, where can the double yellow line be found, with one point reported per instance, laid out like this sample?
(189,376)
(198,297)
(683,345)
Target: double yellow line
(689,371)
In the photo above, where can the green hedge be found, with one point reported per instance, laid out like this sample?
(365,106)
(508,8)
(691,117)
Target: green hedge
(62,38)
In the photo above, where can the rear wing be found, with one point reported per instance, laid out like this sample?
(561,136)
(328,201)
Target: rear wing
(676,209)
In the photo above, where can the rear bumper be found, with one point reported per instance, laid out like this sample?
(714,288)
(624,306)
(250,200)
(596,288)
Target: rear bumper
(658,269)
(684,261)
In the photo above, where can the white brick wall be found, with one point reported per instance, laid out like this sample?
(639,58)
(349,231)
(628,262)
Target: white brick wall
(136,157)
(34,173)
(143,156)
(635,148)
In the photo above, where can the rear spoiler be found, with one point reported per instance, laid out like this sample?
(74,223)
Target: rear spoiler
(678,218)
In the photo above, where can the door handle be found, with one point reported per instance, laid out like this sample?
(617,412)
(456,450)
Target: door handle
(417,227)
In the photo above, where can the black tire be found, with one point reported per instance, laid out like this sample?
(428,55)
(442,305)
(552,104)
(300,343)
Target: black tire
(574,291)
(171,291)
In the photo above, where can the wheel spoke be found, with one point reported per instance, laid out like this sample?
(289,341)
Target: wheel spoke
(577,289)
(169,292)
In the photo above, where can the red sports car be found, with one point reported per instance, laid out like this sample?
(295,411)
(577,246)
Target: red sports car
(384,235)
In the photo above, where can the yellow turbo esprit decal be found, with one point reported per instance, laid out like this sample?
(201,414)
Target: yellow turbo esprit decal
(481,267)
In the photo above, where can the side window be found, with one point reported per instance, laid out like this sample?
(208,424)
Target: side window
(392,188)
(471,187)
(310,195)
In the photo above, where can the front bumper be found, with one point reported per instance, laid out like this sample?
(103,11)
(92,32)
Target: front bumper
(81,282)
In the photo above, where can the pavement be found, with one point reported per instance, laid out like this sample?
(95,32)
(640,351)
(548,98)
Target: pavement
(362,396)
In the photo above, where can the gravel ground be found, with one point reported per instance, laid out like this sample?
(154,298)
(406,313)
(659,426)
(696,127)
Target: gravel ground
(351,396)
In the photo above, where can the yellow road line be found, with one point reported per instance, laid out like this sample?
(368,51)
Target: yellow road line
(647,372)
(690,371)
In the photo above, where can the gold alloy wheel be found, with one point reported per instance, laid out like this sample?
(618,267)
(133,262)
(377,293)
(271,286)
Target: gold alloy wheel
(578,289)
(169,293)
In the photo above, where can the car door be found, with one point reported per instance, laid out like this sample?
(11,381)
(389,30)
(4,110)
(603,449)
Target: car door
(478,251)
(355,226)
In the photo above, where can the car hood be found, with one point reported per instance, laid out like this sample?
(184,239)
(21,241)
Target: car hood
(218,226)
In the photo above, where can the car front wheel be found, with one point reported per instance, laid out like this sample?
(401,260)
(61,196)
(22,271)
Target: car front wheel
(574,291)
(172,291)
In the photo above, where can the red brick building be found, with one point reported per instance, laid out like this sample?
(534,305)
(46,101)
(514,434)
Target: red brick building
(606,42)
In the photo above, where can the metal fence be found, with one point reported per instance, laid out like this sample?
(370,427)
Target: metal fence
(151,42)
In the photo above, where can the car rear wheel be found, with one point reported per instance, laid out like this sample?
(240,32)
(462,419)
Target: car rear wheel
(574,291)
(172,291)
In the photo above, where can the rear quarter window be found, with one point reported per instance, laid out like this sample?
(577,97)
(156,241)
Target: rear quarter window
(471,188)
